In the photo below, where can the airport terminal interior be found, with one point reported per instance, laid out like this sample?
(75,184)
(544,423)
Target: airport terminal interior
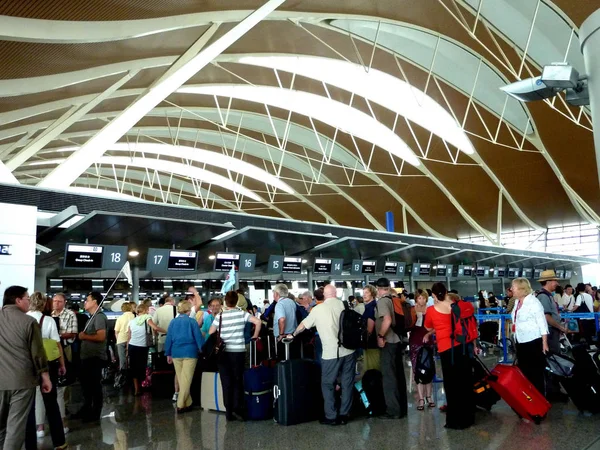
(183,151)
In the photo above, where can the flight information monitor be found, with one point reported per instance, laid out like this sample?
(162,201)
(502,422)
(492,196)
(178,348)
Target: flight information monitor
(292,265)
(513,272)
(390,268)
(368,267)
(441,270)
(560,274)
(90,256)
(80,256)
(500,272)
(468,271)
(482,271)
(322,266)
(225,261)
(537,273)
(527,273)
(568,274)
(182,260)
(425,270)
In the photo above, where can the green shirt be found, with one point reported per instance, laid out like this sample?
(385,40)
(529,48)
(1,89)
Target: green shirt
(91,349)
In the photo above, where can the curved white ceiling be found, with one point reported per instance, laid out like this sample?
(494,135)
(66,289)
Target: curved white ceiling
(205,157)
(328,111)
(164,166)
(550,40)
(453,63)
(374,85)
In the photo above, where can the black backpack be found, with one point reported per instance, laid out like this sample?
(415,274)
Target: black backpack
(353,330)
(425,366)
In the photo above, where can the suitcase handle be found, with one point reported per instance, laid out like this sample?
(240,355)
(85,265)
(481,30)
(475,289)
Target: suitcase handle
(276,392)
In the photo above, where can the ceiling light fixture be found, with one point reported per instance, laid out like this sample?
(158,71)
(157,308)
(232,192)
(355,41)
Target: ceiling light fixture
(134,253)
(224,235)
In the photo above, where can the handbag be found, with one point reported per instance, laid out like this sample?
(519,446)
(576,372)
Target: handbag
(214,345)
(50,345)
(149,335)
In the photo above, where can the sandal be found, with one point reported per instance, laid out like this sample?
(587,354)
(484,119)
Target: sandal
(430,404)
(421,407)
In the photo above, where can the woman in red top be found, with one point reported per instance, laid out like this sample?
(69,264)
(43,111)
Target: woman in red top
(457,367)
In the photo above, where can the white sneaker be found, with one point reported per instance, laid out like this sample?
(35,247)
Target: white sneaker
(40,434)
(175,396)
(66,430)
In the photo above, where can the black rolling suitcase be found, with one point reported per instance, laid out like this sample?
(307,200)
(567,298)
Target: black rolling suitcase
(485,395)
(581,384)
(297,390)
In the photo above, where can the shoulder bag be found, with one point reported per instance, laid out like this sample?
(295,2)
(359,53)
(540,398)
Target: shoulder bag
(214,345)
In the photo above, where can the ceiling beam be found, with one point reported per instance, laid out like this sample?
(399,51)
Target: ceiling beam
(63,123)
(186,67)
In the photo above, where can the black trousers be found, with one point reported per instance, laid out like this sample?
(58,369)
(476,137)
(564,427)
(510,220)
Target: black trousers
(457,369)
(532,362)
(138,361)
(55,422)
(394,380)
(91,385)
(231,370)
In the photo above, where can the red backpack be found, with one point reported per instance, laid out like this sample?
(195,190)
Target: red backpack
(464,323)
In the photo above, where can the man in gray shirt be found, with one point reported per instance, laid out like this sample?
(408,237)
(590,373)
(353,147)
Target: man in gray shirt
(23,365)
(284,321)
(93,359)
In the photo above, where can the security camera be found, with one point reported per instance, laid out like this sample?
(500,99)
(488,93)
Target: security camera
(530,89)
(39,249)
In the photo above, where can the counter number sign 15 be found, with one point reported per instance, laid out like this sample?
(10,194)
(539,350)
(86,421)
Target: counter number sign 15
(275,264)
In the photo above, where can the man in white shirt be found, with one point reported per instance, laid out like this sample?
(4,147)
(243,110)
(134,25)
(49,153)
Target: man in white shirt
(162,318)
(584,303)
(326,317)
(568,300)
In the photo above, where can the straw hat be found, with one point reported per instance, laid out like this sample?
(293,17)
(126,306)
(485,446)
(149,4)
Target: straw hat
(548,275)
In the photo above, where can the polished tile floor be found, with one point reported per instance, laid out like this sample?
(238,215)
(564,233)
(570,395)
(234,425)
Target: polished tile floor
(139,423)
(147,423)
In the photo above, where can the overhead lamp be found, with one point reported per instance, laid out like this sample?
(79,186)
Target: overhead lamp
(211,257)
(304,261)
(224,235)
(134,253)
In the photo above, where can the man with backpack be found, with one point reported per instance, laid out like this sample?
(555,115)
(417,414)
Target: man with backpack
(392,368)
(337,361)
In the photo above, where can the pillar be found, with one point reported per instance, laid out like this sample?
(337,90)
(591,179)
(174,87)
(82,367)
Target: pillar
(135,277)
(589,36)
(448,286)
(477,284)
(309,279)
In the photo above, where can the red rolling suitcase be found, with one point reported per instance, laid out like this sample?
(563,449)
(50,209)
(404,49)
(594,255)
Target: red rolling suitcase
(516,390)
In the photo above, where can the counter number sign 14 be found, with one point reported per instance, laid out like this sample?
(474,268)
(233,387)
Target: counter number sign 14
(338,267)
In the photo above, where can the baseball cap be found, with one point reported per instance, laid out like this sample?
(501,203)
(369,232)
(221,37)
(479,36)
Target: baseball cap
(383,283)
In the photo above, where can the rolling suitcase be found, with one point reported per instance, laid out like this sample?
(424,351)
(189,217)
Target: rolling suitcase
(516,390)
(212,392)
(258,388)
(370,388)
(485,395)
(583,386)
(297,390)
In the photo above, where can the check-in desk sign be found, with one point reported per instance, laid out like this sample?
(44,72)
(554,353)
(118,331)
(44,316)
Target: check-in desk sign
(5,250)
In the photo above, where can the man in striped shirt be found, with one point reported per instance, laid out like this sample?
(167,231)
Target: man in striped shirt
(232,322)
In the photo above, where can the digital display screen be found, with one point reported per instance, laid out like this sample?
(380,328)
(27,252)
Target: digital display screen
(568,274)
(560,274)
(513,273)
(182,260)
(468,271)
(225,261)
(292,265)
(481,271)
(322,266)
(537,273)
(500,272)
(425,269)
(441,270)
(390,268)
(527,273)
(79,256)
(368,267)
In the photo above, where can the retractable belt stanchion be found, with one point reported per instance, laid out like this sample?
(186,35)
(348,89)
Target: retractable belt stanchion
(502,318)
